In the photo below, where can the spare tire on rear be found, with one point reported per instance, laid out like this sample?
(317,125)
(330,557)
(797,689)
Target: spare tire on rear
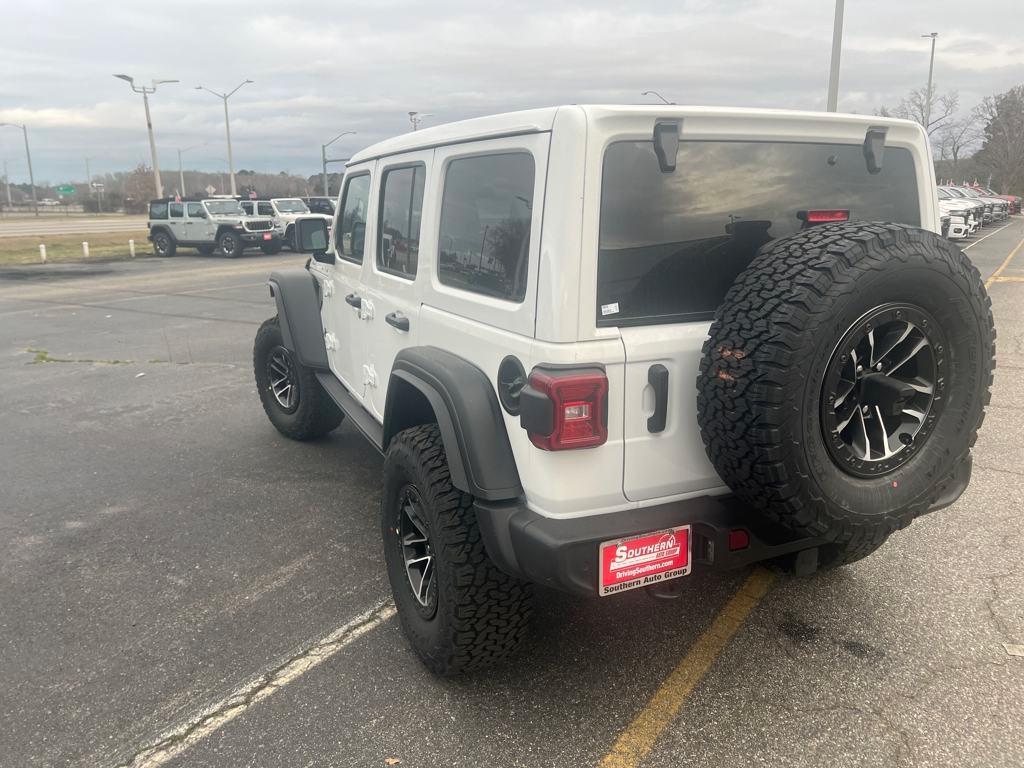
(844,379)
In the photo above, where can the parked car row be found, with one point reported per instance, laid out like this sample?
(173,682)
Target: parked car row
(965,210)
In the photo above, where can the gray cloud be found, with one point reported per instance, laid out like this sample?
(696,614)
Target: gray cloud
(331,66)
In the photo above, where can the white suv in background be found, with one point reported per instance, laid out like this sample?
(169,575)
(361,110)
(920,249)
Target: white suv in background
(596,355)
(284,211)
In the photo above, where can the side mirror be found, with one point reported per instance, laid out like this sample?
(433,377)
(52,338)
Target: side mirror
(311,235)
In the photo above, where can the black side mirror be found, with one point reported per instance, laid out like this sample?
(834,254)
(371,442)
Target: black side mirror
(311,235)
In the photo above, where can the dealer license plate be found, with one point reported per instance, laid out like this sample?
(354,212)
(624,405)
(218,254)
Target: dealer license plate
(643,560)
(267,236)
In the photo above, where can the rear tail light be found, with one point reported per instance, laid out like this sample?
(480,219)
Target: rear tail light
(824,216)
(565,409)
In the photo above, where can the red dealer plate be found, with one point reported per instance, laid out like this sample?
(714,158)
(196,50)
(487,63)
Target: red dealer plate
(643,560)
(267,236)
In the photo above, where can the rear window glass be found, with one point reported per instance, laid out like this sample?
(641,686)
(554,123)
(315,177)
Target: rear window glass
(485,224)
(177,210)
(158,210)
(671,244)
(401,208)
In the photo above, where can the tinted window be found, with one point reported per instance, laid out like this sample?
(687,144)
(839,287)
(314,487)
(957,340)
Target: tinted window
(671,244)
(177,210)
(247,207)
(264,209)
(196,210)
(485,224)
(158,210)
(401,205)
(351,234)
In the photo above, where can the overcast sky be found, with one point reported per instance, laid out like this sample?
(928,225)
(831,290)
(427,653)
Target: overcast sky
(323,67)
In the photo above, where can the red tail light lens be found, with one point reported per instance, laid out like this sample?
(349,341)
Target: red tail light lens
(569,409)
(826,216)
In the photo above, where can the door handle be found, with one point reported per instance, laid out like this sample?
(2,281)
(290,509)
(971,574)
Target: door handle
(657,377)
(353,301)
(398,320)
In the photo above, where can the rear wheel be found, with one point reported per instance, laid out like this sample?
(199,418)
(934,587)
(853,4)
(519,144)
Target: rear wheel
(293,399)
(458,611)
(230,244)
(844,380)
(163,244)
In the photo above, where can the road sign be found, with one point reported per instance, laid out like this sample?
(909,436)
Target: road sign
(210,189)
(65,189)
(97,185)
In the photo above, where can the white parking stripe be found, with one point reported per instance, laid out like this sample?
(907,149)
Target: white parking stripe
(176,740)
(986,237)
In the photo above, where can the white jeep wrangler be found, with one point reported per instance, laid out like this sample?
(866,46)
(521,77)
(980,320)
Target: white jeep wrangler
(285,211)
(207,226)
(599,347)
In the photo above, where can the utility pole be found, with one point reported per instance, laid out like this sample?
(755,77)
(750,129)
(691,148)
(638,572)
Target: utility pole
(324,161)
(227,126)
(149,124)
(832,102)
(88,178)
(28,158)
(931,70)
(7,185)
(181,171)
(417,117)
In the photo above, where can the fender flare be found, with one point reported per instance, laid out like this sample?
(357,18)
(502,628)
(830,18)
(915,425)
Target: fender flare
(298,310)
(162,228)
(468,415)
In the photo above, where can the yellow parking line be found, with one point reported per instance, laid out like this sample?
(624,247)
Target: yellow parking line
(1004,265)
(638,739)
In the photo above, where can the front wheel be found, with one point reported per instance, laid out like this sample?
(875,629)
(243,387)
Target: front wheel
(230,244)
(293,399)
(458,611)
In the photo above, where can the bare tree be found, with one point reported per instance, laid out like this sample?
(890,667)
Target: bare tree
(958,136)
(1002,152)
(914,106)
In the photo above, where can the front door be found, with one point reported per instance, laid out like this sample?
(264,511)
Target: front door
(390,279)
(344,313)
(198,225)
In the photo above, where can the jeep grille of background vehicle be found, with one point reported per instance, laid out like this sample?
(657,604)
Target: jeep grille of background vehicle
(259,226)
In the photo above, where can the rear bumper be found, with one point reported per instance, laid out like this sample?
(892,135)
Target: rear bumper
(563,553)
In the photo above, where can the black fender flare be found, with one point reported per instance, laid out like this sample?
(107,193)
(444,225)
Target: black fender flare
(298,310)
(162,228)
(468,415)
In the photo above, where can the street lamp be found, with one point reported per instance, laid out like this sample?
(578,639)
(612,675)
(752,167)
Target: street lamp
(181,172)
(227,125)
(28,157)
(149,123)
(324,160)
(658,95)
(417,117)
(832,102)
(931,69)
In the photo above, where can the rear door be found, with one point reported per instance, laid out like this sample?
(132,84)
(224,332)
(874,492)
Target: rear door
(672,243)
(176,222)
(389,293)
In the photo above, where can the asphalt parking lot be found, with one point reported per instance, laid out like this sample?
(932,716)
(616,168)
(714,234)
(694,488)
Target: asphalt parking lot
(179,585)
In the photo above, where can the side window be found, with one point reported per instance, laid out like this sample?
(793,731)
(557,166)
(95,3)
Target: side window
(177,210)
(350,235)
(485,224)
(158,210)
(247,206)
(195,211)
(264,209)
(401,207)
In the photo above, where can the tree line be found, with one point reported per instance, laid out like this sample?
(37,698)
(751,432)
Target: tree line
(984,143)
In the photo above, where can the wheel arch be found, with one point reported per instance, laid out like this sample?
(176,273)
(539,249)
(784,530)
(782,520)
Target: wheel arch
(429,384)
(298,310)
(162,228)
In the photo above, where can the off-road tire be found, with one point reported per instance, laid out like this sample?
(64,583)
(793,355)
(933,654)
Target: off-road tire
(272,248)
(206,250)
(481,614)
(760,385)
(315,413)
(230,244)
(163,244)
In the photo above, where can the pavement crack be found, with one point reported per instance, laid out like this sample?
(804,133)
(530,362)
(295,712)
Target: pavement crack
(176,740)
(998,621)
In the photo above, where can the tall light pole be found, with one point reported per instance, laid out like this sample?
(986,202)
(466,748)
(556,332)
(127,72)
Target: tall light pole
(417,117)
(7,184)
(181,172)
(657,95)
(227,125)
(88,177)
(931,70)
(832,102)
(149,123)
(323,159)
(28,157)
